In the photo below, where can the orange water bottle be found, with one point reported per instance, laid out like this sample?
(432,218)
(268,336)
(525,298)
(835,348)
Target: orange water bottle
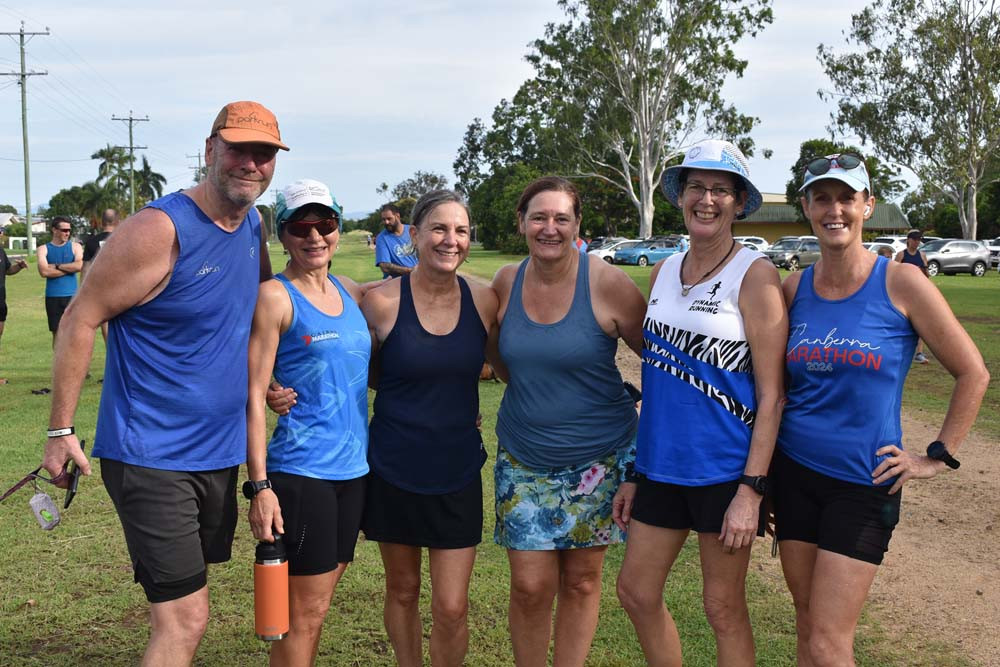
(270,591)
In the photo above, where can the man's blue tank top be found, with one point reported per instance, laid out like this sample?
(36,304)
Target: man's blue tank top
(175,381)
(325,358)
(565,404)
(423,436)
(916,259)
(846,364)
(63,285)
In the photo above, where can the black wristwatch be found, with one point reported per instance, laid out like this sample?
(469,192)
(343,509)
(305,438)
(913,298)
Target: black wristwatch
(937,451)
(757,483)
(252,488)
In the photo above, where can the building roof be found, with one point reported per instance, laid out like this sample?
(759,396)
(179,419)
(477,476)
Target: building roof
(887,216)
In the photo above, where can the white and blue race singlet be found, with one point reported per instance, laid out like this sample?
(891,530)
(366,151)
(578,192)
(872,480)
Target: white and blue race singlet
(698,404)
(846,363)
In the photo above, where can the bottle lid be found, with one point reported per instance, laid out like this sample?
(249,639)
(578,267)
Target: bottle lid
(271,551)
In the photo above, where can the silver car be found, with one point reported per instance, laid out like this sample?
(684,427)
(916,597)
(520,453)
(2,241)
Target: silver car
(950,256)
(794,254)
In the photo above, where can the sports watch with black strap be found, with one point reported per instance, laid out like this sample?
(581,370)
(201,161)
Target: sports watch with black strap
(937,451)
(252,488)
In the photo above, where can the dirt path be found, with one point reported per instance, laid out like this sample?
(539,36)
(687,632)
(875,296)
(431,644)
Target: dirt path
(940,581)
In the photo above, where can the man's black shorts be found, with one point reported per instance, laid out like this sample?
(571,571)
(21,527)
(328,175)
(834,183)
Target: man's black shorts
(174,523)
(55,306)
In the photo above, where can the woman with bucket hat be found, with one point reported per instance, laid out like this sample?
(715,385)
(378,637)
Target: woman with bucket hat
(714,341)
(307,485)
(839,466)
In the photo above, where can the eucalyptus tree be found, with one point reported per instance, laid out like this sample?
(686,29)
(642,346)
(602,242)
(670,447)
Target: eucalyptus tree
(920,82)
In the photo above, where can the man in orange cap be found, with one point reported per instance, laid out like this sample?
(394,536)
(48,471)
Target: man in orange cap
(170,436)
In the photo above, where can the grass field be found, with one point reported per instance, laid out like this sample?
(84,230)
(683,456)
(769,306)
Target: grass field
(66,596)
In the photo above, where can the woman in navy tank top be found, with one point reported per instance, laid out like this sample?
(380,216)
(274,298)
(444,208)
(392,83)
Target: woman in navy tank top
(307,484)
(854,319)
(431,328)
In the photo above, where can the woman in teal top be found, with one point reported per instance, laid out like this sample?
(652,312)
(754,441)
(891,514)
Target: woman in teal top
(566,427)
(309,330)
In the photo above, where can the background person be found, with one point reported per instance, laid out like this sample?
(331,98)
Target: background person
(566,426)
(839,469)
(393,247)
(8,267)
(109,220)
(912,254)
(58,261)
(431,329)
(179,326)
(714,338)
(307,485)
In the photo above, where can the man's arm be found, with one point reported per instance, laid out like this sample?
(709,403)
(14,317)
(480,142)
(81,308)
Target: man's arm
(394,269)
(136,251)
(77,264)
(383,255)
(44,269)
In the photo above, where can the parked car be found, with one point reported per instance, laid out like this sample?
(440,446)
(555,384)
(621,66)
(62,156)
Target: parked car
(794,254)
(607,251)
(994,247)
(876,247)
(647,252)
(897,242)
(950,256)
(599,242)
(754,242)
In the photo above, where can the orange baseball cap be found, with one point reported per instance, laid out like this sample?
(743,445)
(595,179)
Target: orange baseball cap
(248,122)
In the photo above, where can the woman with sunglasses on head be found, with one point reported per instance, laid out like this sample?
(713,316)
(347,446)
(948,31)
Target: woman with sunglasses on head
(307,485)
(714,340)
(840,466)
(431,329)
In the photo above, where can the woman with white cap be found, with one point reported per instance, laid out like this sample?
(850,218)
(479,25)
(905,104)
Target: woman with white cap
(839,465)
(714,340)
(309,331)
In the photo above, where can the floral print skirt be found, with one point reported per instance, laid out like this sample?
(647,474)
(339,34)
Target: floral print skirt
(557,508)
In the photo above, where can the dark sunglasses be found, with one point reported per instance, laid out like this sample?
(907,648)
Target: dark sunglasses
(71,471)
(302,229)
(820,165)
(64,229)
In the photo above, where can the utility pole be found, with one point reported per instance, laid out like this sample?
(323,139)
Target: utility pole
(23,80)
(197,174)
(131,120)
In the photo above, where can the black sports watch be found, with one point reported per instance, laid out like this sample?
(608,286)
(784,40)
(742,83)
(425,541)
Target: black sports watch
(252,488)
(937,451)
(757,483)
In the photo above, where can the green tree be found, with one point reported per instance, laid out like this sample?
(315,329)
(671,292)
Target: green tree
(886,182)
(419,184)
(494,207)
(113,168)
(148,183)
(623,85)
(921,83)
(87,201)
(7,208)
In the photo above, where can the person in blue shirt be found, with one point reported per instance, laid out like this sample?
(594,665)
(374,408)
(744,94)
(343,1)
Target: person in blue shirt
(309,480)
(58,262)
(840,465)
(394,253)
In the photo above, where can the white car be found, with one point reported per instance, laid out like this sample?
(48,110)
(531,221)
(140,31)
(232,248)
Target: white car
(607,252)
(757,242)
(897,242)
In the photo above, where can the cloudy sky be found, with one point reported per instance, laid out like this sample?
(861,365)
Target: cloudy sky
(365,92)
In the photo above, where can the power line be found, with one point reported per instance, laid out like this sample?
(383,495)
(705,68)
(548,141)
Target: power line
(131,120)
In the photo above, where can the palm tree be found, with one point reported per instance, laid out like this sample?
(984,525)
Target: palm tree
(113,169)
(148,183)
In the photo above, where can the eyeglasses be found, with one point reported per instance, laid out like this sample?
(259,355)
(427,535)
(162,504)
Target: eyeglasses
(71,472)
(820,165)
(697,191)
(324,226)
(64,229)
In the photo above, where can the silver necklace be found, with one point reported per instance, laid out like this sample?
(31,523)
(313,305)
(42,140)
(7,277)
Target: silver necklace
(685,289)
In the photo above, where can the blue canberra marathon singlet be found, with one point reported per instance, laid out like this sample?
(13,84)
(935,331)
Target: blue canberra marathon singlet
(847,360)
(325,357)
(699,404)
